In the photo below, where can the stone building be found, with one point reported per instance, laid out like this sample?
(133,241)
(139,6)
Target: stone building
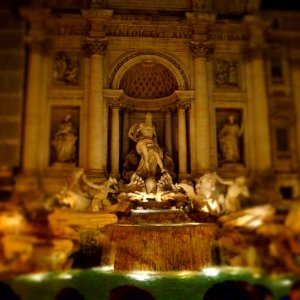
(220,79)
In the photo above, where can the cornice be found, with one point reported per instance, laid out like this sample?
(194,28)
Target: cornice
(97,19)
(148,29)
(233,32)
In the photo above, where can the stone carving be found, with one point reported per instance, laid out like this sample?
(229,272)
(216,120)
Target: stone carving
(144,134)
(97,3)
(132,160)
(236,188)
(66,68)
(64,141)
(229,140)
(95,46)
(81,194)
(199,4)
(199,50)
(177,31)
(127,57)
(206,198)
(100,199)
(226,73)
(145,4)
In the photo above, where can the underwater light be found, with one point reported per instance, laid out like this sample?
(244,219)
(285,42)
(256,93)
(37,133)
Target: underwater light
(37,277)
(286,282)
(186,273)
(212,272)
(104,268)
(65,276)
(141,276)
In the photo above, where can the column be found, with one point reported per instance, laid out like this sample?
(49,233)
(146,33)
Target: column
(95,49)
(36,40)
(115,140)
(296,88)
(201,109)
(261,113)
(125,139)
(182,142)
(168,132)
(259,101)
(33,104)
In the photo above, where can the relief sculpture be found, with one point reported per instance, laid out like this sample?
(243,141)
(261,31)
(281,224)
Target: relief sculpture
(226,73)
(66,68)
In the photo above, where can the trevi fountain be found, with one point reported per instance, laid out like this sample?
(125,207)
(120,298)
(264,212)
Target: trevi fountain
(157,158)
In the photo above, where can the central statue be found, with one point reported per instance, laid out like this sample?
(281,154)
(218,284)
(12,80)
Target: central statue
(144,135)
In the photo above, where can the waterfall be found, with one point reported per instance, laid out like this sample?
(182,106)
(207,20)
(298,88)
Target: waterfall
(161,247)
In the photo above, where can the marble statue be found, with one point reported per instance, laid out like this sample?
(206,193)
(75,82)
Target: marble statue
(206,197)
(229,137)
(64,141)
(100,200)
(73,195)
(144,134)
(82,194)
(235,189)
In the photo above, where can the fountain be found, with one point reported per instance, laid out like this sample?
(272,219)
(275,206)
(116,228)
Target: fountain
(154,231)
(150,229)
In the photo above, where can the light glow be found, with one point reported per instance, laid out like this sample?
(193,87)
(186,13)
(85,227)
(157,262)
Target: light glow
(211,272)
(65,276)
(286,282)
(37,277)
(185,273)
(141,276)
(105,268)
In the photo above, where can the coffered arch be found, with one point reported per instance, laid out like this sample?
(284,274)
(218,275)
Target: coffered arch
(160,66)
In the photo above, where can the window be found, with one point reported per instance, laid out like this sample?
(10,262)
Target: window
(282,141)
(286,192)
(276,69)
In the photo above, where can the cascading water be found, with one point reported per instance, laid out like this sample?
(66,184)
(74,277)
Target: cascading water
(161,247)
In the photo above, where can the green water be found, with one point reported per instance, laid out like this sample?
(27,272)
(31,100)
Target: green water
(95,284)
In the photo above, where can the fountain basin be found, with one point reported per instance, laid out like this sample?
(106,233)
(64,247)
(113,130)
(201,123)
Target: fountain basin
(160,247)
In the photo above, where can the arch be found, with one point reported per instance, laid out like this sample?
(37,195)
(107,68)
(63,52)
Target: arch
(127,61)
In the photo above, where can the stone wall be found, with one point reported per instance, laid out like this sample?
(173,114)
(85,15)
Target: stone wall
(12,62)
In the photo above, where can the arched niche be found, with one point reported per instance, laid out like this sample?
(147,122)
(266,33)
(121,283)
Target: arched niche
(148,81)
(125,63)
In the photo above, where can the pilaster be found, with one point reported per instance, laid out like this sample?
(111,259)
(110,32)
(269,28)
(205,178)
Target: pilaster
(38,45)
(259,101)
(95,49)
(113,100)
(200,52)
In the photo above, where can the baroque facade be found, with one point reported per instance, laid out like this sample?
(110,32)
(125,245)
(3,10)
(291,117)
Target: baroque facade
(220,80)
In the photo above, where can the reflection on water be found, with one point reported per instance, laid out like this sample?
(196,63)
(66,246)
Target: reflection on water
(97,282)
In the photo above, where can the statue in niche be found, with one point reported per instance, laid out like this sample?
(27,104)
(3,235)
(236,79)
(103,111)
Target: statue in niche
(132,161)
(144,135)
(64,141)
(226,73)
(229,140)
(66,68)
